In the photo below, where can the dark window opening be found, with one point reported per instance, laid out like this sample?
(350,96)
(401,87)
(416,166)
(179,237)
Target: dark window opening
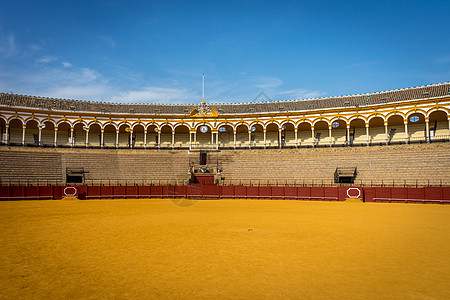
(345,175)
(203,158)
(74,179)
(75,175)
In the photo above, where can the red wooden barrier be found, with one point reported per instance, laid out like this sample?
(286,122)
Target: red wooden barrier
(368,194)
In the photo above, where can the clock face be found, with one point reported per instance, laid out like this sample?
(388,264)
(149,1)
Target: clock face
(204,129)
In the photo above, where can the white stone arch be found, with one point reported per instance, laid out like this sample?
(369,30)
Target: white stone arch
(88,125)
(382,116)
(124,123)
(275,122)
(360,117)
(181,135)
(136,124)
(79,135)
(172,127)
(308,121)
(109,137)
(61,121)
(197,126)
(321,120)
(48,120)
(37,120)
(243,124)
(284,122)
(84,123)
(395,113)
(182,124)
(146,126)
(434,109)
(20,118)
(340,118)
(415,111)
(439,123)
(252,123)
(109,123)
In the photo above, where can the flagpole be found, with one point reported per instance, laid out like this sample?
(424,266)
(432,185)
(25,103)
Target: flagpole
(203,87)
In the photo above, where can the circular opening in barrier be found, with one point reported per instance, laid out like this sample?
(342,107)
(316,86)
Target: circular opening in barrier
(70,191)
(353,193)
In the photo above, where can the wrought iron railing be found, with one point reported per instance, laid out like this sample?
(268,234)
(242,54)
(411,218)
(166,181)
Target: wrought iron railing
(240,182)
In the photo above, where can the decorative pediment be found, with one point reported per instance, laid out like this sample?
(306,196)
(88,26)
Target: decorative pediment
(203,110)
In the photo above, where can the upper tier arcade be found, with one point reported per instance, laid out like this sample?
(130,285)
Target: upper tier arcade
(413,115)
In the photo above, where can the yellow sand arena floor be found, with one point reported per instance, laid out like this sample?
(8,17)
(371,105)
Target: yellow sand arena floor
(131,249)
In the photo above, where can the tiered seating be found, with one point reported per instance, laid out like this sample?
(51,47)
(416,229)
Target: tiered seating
(129,164)
(50,164)
(375,164)
(398,163)
(30,166)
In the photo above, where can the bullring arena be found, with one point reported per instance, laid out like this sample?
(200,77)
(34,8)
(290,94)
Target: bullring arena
(196,201)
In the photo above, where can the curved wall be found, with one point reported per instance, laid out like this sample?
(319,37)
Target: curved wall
(400,116)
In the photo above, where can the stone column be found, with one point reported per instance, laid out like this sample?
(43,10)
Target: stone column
(71,137)
(448,117)
(87,137)
(250,139)
(190,140)
(296,137)
(264,138)
(348,134)
(330,127)
(117,138)
(7,133)
(217,140)
(24,126)
(212,138)
(40,134)
(234,136)
(313,136)
(101,137)
(427,130)
(145,138)
(367,134)
(159,139)
(173,139)
(279,137)
(56,136)
(131,138)
(406,131)
(386,131)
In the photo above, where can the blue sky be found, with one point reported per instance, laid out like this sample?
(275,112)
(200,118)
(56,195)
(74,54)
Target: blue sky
(156,51)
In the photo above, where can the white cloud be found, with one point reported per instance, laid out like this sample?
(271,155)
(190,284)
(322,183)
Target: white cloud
(66,64)
(93,92)
(154,94)
(8,47)
(46,59)
(363,64)
(35,47)
(109,41)
(267,82)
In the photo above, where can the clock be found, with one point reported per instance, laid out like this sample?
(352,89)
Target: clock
(204,129)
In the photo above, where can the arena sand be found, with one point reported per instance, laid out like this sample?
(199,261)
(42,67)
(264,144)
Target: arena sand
(128,249)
